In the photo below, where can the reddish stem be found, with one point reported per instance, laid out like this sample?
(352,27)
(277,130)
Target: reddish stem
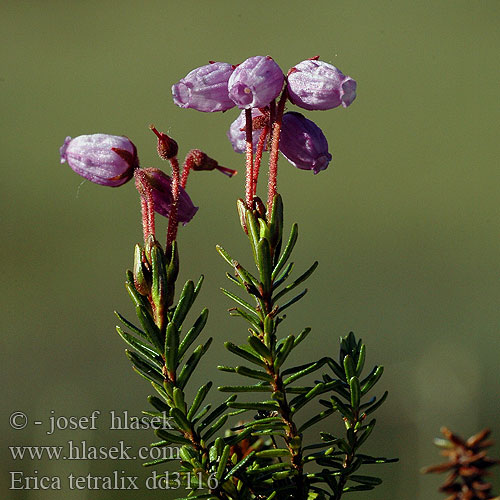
(188,165)
(147,205)
(258,156)
(249,193)
(172,220)
(145,226)
(273,156)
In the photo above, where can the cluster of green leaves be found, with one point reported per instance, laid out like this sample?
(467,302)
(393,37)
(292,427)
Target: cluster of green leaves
(264,356)
(264,456)
(161,355)
(342,459)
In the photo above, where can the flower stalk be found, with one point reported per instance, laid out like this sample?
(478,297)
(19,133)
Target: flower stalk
(147,204)
(258,156)
(249,177)
(273,156)
(172,221)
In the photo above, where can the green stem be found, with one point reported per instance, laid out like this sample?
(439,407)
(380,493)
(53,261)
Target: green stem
(291,434)
(348,459)
(292,437)
(195,439)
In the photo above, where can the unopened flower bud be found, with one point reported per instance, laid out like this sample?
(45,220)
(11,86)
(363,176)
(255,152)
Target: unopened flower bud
(303,143)
(259,208)
(159,285)
(161,191)
(167,148)
(242,213)
(314,84)
(172,263)
(142,275)
(205,88)
(255,82)
(104,159)
(201,161)
(198,160)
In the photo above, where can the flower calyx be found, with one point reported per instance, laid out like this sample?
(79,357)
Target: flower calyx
(198,160)
(167,148)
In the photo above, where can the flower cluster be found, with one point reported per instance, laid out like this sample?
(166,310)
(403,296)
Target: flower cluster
(111,160)
(253,86)
(260,89)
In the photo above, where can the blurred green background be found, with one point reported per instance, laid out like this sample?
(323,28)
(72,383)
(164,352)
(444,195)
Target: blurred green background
(405,222)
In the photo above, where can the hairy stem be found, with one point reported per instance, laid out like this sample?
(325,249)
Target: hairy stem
(249,192)
(258,156)
(186,169)
(172,220)
(147,206)
(273,156)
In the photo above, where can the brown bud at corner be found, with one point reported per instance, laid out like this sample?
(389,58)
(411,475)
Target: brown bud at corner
(260,208)
(167,148)
(202,161)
